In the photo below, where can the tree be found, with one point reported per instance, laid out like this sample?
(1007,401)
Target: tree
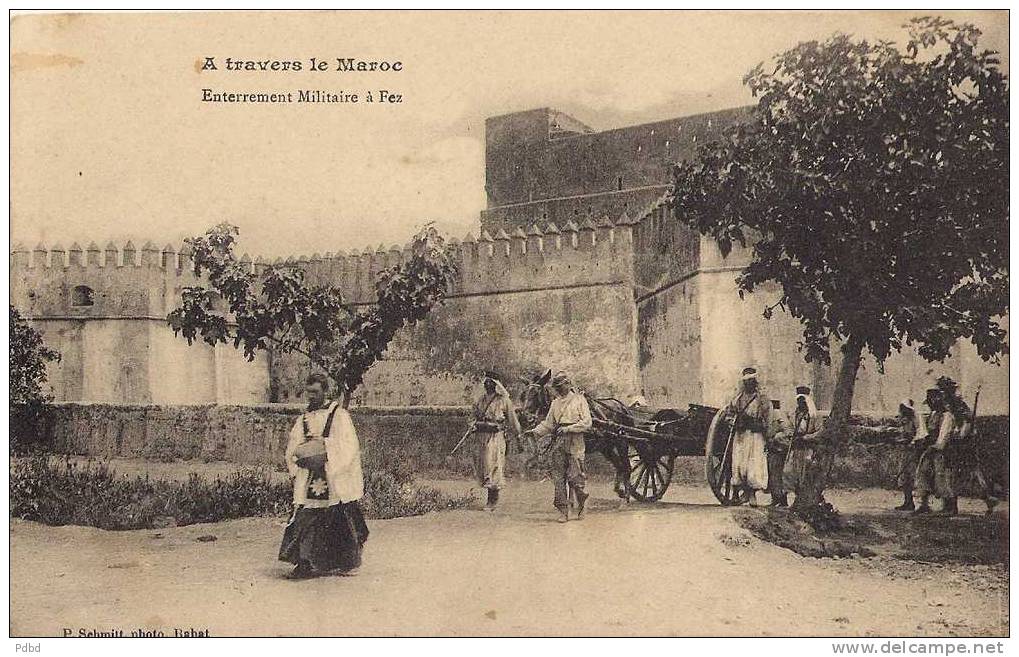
(277,310)
(29,356)
(871,185)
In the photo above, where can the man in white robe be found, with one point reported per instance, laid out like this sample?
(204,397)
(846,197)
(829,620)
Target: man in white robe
(328,531)
(752,411)
(804,426)
(493,414)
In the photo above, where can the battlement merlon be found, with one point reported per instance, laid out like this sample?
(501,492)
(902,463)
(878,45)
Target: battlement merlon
(123,280)
(544,256)
(118,280)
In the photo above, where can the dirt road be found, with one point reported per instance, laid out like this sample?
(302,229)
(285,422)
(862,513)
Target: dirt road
(682,567)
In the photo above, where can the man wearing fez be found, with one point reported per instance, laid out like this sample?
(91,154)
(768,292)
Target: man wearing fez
(568,419)
(327,532)
(751,410)
(492,412)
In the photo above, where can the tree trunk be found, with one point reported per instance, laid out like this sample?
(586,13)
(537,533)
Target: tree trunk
(811,490)
(346,399)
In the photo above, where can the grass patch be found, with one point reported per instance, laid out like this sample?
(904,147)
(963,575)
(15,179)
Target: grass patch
(964,539)
(58,491)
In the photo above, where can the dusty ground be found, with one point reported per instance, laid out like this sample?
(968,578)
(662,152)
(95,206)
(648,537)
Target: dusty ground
(680,567)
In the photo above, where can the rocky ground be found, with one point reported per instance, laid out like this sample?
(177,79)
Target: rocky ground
(683,566)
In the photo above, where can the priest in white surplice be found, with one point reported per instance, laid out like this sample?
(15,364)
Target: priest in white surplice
(328,532)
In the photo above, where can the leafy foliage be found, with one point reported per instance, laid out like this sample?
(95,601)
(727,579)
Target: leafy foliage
(277,309)
(872,186)
(29,356)
(64,492)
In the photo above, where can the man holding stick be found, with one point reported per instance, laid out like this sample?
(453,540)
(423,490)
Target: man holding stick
(568,419)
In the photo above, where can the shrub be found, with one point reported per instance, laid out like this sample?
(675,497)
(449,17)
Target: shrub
(62,492)
(27,398)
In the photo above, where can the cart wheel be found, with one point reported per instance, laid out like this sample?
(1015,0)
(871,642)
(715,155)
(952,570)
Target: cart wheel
(718,462)
(649,472)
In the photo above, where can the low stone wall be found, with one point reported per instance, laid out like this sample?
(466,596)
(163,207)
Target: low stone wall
(255,435)
(414,438)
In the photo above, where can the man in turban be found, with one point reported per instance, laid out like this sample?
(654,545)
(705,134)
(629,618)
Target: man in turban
(751,409)
(492,413)
(804,426)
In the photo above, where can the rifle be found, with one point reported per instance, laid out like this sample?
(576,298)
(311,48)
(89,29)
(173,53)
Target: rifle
(973,415)
(466,435)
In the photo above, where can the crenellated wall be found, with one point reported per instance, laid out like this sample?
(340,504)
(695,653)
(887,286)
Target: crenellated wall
(115,344)
(540,297)
(532,258)
(548,296)
(579,266)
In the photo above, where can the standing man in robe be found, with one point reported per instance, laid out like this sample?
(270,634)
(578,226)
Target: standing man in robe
(777,445)
(492,412)
(568,419)
(913,433)
(802,439)
(751,409)
(327,532)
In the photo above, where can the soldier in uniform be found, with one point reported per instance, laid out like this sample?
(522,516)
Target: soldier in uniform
(778,448)
(492,412)
(963,454)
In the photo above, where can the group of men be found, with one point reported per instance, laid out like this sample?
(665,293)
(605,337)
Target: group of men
(772,452)
(933,461)
(567,420)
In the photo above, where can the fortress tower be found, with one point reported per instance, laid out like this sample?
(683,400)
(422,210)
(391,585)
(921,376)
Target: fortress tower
(579,265)
(543,165)
(104,310)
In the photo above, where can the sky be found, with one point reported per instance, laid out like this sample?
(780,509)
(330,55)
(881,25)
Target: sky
(110,139)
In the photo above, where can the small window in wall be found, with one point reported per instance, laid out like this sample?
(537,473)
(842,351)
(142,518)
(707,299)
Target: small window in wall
(619,183)
(82,295)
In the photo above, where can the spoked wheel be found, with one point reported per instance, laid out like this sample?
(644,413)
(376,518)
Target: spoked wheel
(649,471)
(718,462)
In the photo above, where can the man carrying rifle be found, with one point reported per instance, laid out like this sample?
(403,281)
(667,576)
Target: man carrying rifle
(934,473)
(964,454)
(492,412)
(802,438)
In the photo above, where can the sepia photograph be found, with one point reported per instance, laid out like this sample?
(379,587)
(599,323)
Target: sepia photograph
(516,323)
